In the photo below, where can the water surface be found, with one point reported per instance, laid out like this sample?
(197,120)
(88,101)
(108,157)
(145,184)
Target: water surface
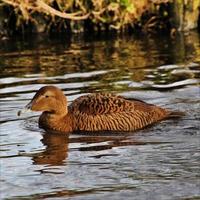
(159,162)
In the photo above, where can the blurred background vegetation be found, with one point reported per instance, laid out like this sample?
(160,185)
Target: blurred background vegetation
(96,16)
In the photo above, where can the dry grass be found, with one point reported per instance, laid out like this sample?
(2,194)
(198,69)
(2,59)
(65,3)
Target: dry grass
(116,14)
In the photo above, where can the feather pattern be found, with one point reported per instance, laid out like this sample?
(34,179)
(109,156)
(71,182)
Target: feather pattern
(97,112)
(94,112)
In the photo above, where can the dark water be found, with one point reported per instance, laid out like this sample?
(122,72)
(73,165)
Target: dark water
(160,162)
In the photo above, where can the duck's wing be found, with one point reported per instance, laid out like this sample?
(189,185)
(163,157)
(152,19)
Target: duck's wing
(97,112)
(97,104)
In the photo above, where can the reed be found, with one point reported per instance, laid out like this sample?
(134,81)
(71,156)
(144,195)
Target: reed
(80,15)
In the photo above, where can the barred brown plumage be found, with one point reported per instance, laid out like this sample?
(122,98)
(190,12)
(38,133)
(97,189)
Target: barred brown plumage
(94,112)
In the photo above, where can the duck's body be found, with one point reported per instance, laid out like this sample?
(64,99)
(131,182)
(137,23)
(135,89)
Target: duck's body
(93,112)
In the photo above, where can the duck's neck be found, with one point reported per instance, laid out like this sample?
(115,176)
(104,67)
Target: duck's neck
(56,122)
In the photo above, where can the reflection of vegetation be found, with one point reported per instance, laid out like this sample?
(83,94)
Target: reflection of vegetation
(119,62)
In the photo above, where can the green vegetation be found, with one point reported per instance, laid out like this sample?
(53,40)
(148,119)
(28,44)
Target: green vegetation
(91,15)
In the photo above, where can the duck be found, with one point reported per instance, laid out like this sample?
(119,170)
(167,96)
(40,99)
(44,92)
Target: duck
(93,112)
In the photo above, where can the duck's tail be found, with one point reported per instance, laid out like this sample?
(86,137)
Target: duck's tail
(176,114)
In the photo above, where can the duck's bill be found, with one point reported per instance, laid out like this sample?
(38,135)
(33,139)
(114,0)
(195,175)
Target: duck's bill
(26,109)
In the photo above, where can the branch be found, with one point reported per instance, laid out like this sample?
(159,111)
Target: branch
(11,3)
(53,11)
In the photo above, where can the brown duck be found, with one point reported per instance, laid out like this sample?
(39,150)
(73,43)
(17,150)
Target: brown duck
(93,112)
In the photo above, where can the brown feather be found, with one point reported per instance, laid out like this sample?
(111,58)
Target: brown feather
(94,112)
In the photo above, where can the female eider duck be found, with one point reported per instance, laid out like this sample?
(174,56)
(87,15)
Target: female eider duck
(93,112)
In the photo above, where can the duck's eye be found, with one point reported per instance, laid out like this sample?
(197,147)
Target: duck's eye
(46,96)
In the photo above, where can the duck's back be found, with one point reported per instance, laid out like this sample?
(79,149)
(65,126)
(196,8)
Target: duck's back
(102,112)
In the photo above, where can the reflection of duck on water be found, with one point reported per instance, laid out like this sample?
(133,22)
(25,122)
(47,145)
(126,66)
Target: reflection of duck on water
(94,112)
(56,150)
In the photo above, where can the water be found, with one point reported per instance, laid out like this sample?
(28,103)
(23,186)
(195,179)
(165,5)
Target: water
(159,162)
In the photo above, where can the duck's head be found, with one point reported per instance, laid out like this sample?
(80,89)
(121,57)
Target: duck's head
(48,99)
